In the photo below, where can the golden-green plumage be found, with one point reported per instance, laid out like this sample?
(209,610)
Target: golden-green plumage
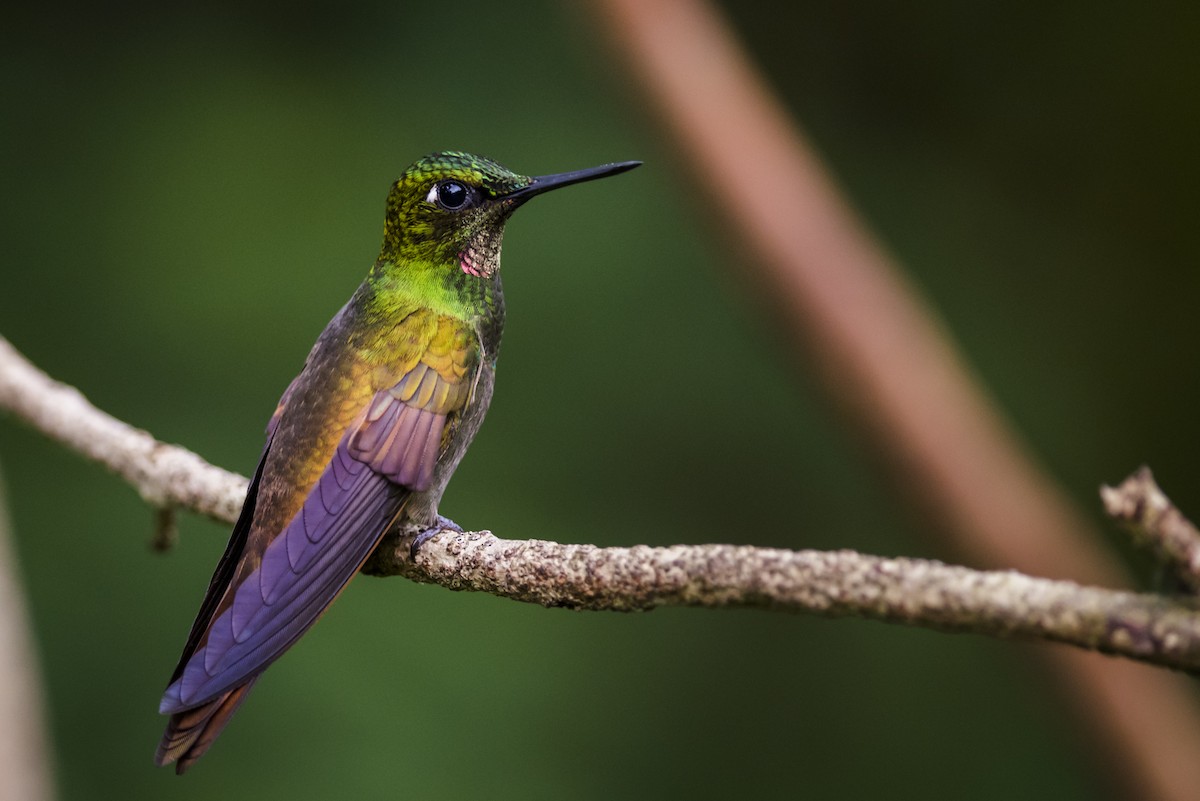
(366,435)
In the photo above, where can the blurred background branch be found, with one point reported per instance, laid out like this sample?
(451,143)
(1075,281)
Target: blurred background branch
(886,358)
(25,765)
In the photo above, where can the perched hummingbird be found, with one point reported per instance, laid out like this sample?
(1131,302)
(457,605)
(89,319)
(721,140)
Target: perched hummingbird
(367,435)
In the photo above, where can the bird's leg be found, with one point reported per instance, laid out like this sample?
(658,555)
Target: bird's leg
(439,525)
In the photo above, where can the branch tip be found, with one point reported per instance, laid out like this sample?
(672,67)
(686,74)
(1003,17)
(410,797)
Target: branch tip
(166,529)
(1143,509)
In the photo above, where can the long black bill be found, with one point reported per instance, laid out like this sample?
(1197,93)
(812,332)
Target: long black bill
(544,183)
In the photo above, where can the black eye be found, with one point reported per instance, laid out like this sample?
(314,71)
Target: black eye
(452,195)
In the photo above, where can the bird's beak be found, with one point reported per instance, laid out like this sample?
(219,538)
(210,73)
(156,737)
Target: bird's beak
(544,183)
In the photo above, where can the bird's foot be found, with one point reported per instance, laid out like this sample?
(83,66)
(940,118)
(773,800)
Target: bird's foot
(439,525)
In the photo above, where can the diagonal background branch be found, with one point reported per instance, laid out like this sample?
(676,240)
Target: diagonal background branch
(887,361)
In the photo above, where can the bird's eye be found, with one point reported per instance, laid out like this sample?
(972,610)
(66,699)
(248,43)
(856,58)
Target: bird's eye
(450,195)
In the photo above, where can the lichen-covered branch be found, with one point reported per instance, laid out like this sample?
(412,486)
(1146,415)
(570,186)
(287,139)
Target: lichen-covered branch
(1149,515)
(164,475)
(918,592)
(1148,628)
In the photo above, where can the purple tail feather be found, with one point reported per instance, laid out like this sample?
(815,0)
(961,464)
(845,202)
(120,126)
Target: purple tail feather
(190,732)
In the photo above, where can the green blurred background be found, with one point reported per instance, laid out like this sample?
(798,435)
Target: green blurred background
(191,190)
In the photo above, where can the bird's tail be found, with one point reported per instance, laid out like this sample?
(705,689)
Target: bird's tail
(190,732)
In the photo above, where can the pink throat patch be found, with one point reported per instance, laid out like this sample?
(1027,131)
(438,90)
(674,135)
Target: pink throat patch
(467,261)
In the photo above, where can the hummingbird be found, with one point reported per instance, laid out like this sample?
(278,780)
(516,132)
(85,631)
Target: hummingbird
(365,437)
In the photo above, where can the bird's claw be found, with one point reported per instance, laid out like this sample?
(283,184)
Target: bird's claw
(439,525)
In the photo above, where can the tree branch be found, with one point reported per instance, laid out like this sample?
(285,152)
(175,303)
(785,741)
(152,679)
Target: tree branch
(918,592)
(164,475)
(25,764)
(1154,521)
(1147,628)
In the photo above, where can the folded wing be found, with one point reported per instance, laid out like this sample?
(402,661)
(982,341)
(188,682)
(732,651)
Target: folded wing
(251,616)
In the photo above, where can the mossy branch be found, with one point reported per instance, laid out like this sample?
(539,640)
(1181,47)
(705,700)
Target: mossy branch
(1150,628)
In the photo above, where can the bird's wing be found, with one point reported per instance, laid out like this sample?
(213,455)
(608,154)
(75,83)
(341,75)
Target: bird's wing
(228,565)
(225,568)
(389,450)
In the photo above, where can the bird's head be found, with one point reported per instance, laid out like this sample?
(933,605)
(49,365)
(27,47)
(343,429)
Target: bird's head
(450,208)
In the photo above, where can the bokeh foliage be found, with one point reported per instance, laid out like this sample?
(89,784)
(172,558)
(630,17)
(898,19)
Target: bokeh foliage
(191,190)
